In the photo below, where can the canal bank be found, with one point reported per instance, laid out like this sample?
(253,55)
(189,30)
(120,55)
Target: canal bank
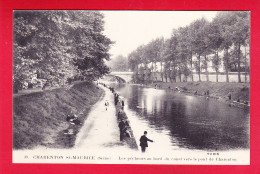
(41,118)
(239,93)
(126,132)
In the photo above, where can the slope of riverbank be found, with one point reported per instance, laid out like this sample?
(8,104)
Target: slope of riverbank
(39,119)
(238,91)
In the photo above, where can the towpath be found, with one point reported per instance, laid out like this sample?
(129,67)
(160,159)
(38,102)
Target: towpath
(100,130)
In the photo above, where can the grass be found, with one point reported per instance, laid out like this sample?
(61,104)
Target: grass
(39,118)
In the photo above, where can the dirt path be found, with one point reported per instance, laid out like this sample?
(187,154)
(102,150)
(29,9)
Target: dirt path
(100,131)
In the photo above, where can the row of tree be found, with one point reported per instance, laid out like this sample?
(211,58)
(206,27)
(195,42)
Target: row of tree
(56,47)
(194,46)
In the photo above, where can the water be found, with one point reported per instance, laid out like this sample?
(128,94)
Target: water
(176,121)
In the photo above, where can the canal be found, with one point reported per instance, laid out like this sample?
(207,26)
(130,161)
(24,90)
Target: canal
(176,121)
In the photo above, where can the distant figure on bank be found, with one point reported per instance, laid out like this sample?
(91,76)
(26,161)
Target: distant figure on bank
(116,98)
(207,92)
(122,128)
(123,104)
(120,115)
(229,95)
(73,119)
(44,86)
(143,141)
(106,104)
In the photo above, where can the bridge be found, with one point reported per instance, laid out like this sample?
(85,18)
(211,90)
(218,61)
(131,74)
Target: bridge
(123,77)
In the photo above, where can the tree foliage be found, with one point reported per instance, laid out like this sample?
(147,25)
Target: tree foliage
(200,45)
(55,46)
(119,63)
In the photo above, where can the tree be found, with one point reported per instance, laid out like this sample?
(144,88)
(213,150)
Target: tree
(246,64)
(215,40)
(183,52)
(58,45)
(35,50)
(225,20)
(153,53)
(198,41)
(119,63)
(171,56)
(241,33)
(91,46)
(162,56)
(133,65)
(228,32)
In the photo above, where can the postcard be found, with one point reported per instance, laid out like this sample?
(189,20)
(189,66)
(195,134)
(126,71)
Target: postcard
(131,87)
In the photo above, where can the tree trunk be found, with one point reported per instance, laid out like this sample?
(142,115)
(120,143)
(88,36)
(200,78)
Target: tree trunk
(185,75)
(245,66)
(174,72)
(207,73)
(155,72)
(137,74)
(191,68)
(199,68)
(216,76)
(146,73)
(239,76)
(227,65)
(151,74)
(166,74)
(161,71)
(217,68)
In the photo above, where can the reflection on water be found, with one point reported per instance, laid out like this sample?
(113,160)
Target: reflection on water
(177,121)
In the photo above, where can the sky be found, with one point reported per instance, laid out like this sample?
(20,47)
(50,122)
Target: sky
(130,29)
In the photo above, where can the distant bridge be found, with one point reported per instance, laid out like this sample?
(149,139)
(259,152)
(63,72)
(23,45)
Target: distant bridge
(125,76)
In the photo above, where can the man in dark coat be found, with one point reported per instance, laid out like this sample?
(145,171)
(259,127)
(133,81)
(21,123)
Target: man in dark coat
(123,128)
(143,141)
(123,104)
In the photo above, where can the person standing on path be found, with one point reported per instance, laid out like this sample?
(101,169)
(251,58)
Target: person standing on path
(143,141)
(123,104)
(106,104)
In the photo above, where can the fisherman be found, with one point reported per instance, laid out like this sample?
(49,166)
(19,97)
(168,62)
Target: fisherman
(122,128)
(123,104)
(120,115)
(116,98)
(44,86)
(143,141)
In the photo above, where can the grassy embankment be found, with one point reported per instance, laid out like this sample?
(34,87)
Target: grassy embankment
(39,119)
(219,91)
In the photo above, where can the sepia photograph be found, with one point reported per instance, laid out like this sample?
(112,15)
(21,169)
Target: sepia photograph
(131,87)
